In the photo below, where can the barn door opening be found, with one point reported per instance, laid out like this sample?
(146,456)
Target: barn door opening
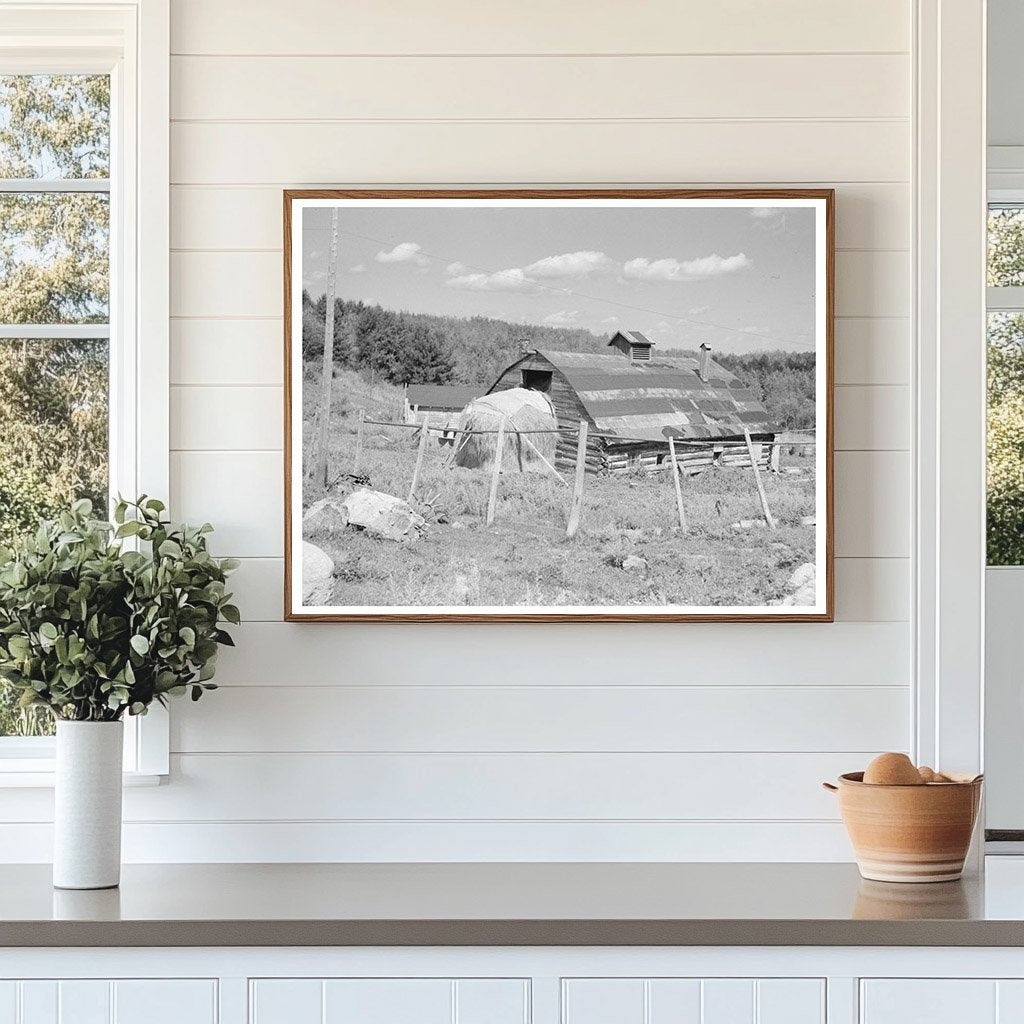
(537,380)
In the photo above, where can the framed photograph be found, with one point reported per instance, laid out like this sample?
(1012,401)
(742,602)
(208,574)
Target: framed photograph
(558,405)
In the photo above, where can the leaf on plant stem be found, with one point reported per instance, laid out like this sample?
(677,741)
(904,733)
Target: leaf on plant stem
(170,549)
(231,613)
(48,631)
(140,644)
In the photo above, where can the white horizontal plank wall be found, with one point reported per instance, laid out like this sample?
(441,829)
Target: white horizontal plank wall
(540,742)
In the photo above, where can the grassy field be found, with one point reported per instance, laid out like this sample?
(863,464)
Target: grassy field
(524,558)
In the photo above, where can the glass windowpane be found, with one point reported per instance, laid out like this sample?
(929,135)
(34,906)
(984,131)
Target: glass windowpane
(53,449)
(1005,477)
(54,257)
(54,126)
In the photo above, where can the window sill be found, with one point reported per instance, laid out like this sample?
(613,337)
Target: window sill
(38,773)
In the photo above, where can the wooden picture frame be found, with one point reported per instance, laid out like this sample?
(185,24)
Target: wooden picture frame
(634,348)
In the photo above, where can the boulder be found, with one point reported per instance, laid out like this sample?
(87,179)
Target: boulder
(802,585)
(326,515)
(383,515)
(317,571)
(634,563)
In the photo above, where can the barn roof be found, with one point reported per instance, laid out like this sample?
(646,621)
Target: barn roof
(442,396)
(661,398)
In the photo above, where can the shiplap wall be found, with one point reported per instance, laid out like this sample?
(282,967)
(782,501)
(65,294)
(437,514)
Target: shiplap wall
(684,741)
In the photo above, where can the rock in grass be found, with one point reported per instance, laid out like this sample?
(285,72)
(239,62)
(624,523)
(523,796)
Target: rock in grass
(634,563)
(802,586)
(383,515)
(326,515)
(317,570)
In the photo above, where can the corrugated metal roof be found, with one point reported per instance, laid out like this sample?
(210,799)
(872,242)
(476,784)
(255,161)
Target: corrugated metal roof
(661,398)
(443,396)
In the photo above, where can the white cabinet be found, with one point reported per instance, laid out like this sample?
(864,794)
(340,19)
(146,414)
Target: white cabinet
(95,1001)
(941,1001)
(389,1001)
(693,1001)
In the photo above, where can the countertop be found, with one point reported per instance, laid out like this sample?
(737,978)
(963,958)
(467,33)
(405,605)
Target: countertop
(510,904)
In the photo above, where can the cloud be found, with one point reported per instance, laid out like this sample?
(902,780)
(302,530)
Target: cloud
(610,320)
(359,268)
(769,218)
(562,318)
(643,269)
(698,310)
(456,269)
(404,252)
(511,280)
(570,264)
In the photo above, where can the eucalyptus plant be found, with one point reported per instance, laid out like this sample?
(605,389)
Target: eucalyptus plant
(98,619)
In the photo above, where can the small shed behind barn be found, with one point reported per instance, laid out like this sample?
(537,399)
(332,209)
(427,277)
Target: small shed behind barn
(441,402)
(633,401)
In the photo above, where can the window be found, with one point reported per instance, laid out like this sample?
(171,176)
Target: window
(54,309)
(84,125)
(1005,477)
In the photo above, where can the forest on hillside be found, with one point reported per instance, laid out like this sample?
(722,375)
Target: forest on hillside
(420,348)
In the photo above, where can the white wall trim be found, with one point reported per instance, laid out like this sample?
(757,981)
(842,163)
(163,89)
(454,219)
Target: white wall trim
(136,51)
(950,442)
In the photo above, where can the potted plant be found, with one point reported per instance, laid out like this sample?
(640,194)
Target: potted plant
(99,620)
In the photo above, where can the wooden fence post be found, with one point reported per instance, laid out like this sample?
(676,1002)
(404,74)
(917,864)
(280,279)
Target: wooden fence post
(419,455)
(576,509)
(757,480)
(499,451)
(675,479)
(359,442)
(327,374)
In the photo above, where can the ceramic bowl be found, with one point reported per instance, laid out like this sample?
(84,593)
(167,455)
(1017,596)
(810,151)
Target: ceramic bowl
(909,833)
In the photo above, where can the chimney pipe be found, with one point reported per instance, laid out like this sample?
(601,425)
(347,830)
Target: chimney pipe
(705,355)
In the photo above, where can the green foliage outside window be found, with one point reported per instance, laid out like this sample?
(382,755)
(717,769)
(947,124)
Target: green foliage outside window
(1005,479)
(54,269)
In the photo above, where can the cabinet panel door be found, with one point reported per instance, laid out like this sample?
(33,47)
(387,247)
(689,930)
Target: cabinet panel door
(8,1002)
(388,1001)
(694,1001)
(603,1001)
(929,1001)
(39,1002)
(728,1001)
(790,1001)
(286,1001)
(492,1001)
(165,1002)
(84,1002)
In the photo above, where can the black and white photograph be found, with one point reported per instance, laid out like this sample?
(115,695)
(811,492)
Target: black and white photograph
(526,405)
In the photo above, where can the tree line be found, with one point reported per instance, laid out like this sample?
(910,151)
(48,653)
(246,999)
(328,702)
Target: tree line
(421,348)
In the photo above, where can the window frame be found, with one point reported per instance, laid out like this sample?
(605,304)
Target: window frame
(130,41)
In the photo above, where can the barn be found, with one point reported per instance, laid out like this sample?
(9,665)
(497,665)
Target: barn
(633,401)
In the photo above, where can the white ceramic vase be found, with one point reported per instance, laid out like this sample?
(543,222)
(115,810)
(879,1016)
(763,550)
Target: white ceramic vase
(87,807)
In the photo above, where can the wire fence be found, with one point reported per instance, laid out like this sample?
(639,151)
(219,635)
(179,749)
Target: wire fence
(582,435)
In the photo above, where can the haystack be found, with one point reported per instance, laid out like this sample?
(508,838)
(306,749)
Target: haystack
(523,410)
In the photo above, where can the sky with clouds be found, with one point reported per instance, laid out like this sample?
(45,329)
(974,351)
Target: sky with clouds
(740,279)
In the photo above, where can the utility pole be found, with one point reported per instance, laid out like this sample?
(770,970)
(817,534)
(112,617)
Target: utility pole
(320,468)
